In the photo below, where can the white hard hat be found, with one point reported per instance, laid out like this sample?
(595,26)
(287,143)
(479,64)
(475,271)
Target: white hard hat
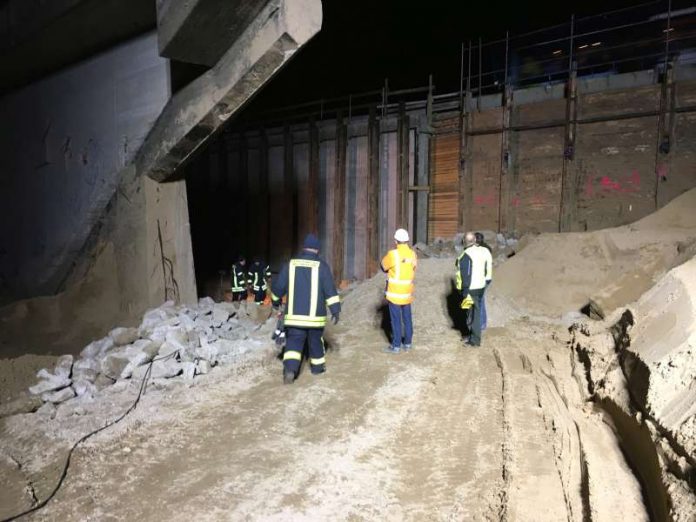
(401,235)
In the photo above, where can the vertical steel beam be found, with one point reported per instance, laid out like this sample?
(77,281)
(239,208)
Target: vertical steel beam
(373,184)
(339,217)
(312,224)
(403,153)
(264,213)
(290,184)
(508,181)
(569,181)
(242,198)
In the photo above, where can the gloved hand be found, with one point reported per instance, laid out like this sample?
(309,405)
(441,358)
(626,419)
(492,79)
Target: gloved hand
(334,318)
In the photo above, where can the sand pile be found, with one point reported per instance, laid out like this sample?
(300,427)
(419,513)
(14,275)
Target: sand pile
(559,273)
(641,368)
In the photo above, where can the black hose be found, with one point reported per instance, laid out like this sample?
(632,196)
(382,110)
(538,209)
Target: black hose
(143,385)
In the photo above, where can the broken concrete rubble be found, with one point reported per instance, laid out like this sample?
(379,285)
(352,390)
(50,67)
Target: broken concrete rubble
(171,341)
(63,366)
(97,349)
(124,336)
(58,396)
(48,385)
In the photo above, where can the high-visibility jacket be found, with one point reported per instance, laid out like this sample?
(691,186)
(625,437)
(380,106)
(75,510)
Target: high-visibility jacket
(239,278)
(309,285)
(400,265)
(473,268)
(258,275)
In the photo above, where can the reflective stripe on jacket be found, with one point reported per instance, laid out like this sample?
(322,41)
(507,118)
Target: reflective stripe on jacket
(473,268)
(309,285)
(257,276)
(400,265)
(238,278)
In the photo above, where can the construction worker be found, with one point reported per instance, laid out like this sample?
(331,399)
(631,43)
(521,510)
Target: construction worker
(474,272)
(309,285)
(480,241)
(400,264)
(239,279)
(258,277)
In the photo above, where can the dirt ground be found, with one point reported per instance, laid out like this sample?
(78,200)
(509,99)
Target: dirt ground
(444,432)
(541,423)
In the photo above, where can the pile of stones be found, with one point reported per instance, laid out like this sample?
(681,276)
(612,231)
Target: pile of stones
(502,246)
(179,341)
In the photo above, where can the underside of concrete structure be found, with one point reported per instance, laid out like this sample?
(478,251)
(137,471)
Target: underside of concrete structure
(104,238)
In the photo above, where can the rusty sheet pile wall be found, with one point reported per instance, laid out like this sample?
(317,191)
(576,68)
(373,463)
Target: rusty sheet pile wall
(533,160)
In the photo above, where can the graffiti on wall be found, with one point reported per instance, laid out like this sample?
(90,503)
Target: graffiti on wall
(612,185)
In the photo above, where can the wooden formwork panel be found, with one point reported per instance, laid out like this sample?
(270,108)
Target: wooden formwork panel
(444,186)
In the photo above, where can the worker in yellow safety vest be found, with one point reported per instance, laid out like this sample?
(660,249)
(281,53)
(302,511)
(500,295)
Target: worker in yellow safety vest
(400,264)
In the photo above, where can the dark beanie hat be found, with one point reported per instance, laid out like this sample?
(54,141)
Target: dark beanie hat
(311,241)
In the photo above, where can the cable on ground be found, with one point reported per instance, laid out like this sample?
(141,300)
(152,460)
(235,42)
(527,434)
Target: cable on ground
(64,473)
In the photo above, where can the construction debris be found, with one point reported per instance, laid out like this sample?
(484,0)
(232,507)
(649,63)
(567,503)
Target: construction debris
(176,340)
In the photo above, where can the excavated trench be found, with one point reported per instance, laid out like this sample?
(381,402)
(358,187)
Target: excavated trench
(637,441)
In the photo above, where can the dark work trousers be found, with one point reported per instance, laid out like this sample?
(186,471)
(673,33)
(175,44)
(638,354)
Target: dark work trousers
(259,295)
(399,313)
(475,333)
(294,344)
(239,296)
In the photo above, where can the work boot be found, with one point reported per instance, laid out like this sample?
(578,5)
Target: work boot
(406,347)
(319,369)
(288,377)
(391,349)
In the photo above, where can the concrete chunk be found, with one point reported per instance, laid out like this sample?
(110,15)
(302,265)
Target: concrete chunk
(188,370)
(202,367)
(59,396)
(220,315)
(63,366)
(164,369)
(96,349)
(83,387)
(84,374)
(48,385)
(103,381)
(123,336)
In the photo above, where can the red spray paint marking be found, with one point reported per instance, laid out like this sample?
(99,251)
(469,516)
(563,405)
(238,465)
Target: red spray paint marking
(630,184)
(486,200)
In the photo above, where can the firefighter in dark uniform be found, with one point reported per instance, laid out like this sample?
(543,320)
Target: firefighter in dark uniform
(311,293)
(239,279)
(258,276)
